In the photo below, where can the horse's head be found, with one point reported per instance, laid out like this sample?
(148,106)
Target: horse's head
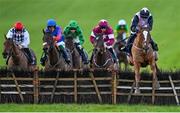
(48,41)
(144,34)
(99,44)
(8,45)
(69,42)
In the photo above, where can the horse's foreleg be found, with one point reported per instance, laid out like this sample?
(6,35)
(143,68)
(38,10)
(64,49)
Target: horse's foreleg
(137,76)
(154,73)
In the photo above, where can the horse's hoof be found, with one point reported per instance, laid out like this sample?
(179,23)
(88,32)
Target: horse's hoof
(116,67)
(137,91)
(157,85)
(85,67)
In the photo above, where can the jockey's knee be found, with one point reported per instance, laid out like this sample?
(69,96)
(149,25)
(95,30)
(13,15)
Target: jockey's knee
(155,46)
(78,46)
(61,47)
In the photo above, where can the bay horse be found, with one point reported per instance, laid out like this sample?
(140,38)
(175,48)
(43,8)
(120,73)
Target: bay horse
(120,43)
(16,58)
(76,60)
(102,57)
(142,55)
(54,60)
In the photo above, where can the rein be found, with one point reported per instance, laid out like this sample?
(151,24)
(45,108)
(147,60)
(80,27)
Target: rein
(141,49)
(53,66)
(109,59)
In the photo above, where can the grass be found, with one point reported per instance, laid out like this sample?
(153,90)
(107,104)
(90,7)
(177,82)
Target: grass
(85,108)
(34,15)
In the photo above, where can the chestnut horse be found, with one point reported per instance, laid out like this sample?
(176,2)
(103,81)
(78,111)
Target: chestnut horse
(54,60)
(16,58)
(142,55)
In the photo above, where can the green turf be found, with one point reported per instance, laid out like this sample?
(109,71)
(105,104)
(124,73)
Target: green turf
(34,14)
(86,108)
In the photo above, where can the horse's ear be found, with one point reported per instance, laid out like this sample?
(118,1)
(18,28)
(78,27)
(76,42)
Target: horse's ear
(43,31)
(5,37)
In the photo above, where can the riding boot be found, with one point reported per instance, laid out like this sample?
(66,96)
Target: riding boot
(31,61)
(155,48)
(84,56)
(82,53)
(65,55)
(43,57)
(115,59)
(129,43)
(154,45)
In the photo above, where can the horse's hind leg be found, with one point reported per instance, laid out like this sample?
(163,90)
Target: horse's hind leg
(137,77)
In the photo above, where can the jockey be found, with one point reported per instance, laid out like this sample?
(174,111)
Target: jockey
(142,18)
(57,36)
(73,30)
(106,31)
(122,28)
(20,36)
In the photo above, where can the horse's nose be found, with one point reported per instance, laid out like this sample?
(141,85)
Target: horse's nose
(4,54)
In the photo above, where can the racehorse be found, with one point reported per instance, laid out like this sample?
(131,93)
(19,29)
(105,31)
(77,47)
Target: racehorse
(54,60)
(16,57)
(142,55)
(120,43)
(76,60)
(102,57)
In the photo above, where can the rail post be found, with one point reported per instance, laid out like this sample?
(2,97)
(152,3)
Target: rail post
(114,90)
(36,86)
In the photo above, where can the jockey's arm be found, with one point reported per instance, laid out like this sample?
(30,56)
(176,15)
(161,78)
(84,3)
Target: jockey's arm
(81,39)
(58,36)
(9,34)
(92,37)
(65,32)
(134,23)
(150,21)
(80,35)
(110,40)
(26,41)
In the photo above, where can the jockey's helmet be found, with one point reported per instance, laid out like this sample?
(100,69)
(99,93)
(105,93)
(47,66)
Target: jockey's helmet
(144,12)
(121,25)
(103,23)
(51,23)
(122,22)
(73,25)
(18,26)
